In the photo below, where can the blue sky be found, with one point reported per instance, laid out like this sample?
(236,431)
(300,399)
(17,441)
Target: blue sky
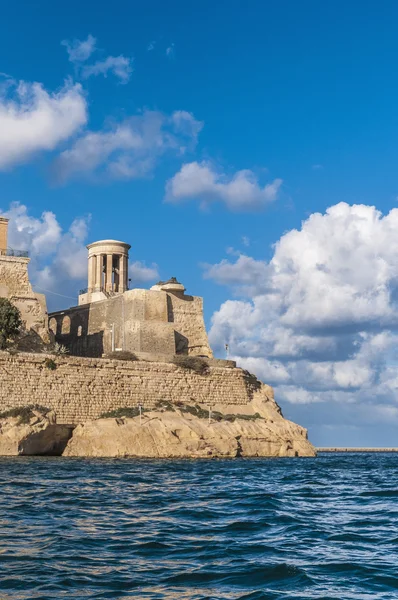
(205,134)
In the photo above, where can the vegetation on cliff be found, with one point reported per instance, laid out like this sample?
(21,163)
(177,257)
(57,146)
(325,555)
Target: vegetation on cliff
(193,363)
(25,413)
(10,322)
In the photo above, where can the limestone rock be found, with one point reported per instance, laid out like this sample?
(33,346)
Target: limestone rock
(178,434)
(40,436)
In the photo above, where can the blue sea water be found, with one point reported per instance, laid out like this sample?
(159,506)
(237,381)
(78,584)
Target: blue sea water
(248,529)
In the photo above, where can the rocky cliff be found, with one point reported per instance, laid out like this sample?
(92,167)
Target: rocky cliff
(168,431)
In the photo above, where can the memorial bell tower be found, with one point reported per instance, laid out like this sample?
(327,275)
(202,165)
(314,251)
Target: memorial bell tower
(107,270)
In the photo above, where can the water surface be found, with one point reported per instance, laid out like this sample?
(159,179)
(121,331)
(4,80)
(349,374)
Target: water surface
(250,529)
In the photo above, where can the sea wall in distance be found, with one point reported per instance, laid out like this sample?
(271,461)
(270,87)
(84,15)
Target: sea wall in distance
(78,389)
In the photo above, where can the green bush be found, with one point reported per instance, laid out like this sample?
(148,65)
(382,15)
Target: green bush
(127,412)
(165,405)
(50,364)
(201,413)
(193,363)
(24,412)
(10,322)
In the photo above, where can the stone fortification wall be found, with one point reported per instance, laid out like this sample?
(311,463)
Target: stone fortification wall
(186,312)
(83,388)
(15,285)
(137,321)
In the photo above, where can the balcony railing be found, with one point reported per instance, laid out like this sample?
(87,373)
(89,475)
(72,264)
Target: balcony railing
(14,252)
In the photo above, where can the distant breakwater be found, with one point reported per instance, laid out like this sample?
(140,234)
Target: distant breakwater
(356,449)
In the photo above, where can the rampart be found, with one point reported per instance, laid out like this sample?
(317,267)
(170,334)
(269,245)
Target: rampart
(138,321)
(83,388)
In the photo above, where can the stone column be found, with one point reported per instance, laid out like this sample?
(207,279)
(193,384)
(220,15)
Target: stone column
(123,273)
(108,274)
(90,273)
(98,271)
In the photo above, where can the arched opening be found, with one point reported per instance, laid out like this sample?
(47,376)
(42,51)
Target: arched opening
(53,325)
(79,331)
(65,325)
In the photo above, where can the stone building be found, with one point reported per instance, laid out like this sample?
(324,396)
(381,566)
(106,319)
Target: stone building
(111,317)
(15,285)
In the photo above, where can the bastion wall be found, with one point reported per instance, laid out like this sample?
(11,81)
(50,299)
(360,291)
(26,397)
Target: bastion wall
(84,388)
(137,321)
(15,285)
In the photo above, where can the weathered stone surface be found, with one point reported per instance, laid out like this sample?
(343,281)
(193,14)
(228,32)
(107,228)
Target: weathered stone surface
(173,434)
(15,285)
(41,436)
(83,388)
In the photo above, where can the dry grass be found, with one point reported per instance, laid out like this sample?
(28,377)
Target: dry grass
(193,363)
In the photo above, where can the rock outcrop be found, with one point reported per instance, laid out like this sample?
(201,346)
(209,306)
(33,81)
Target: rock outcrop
(254,429)
(179,430)
(39,435)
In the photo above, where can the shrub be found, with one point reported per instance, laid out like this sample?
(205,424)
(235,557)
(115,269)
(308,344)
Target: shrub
(129,412)
(50,364)
(122,355)
(59,349)
(193,363)
(165,405)
(10,322)
(201,413)
(24,412)
(196,411)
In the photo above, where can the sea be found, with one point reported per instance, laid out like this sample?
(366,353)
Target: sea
(253,529)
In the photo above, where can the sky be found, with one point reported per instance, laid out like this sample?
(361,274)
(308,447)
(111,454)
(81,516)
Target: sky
(248,149)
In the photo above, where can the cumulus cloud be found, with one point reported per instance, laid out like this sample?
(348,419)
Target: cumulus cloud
(33,119)
(129,149)
(319,320)
(140,273)
(80,50)
(247,274)
(120,66)
(201,181)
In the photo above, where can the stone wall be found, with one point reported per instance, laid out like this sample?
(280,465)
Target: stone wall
(138,321)
(186,312)
(83,388)
(15,285)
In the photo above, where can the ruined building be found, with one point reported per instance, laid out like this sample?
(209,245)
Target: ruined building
(15,285)
(111,317)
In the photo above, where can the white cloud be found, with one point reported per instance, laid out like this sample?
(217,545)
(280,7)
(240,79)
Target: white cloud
(120,66)
(129,149)
(33,120)
(151,46)
(80,50)
(140,273)
(247,274)
(319,320)
(203,182)
(185,124)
